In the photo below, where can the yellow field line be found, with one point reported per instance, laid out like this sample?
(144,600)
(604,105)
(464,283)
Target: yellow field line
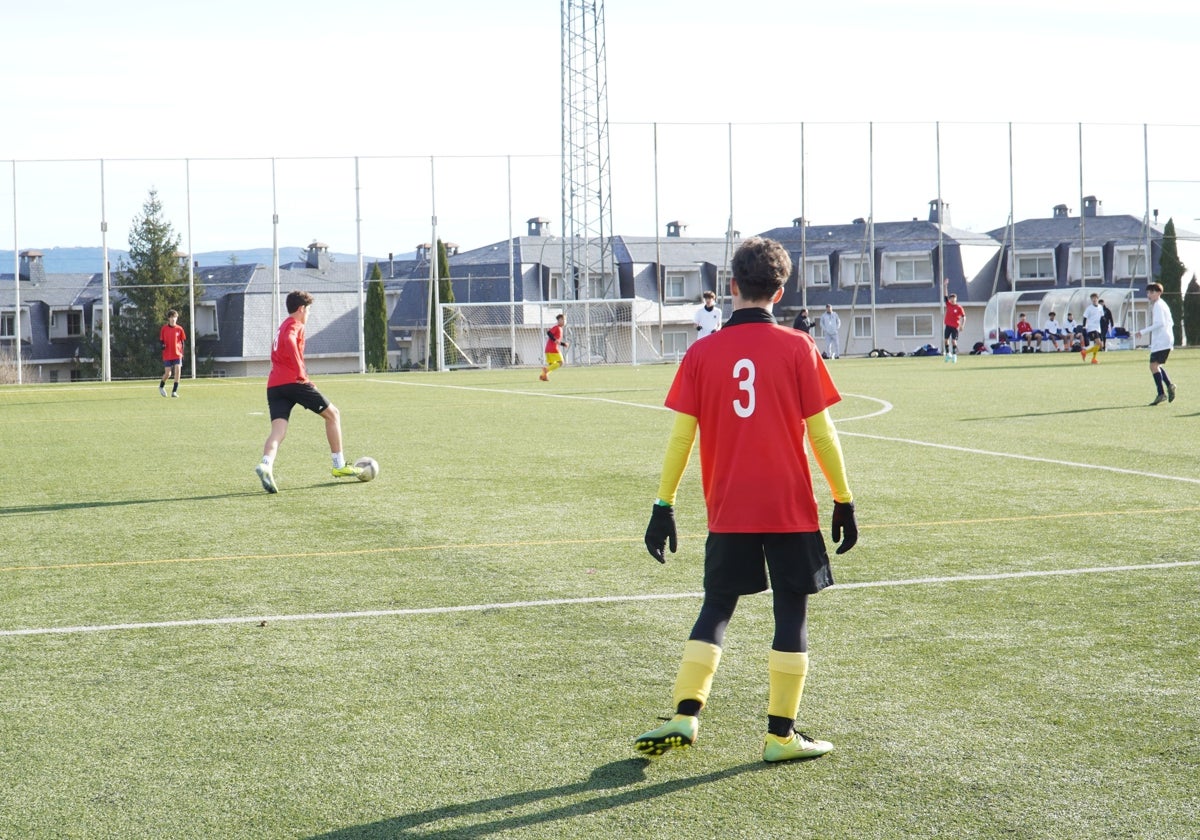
(528,543)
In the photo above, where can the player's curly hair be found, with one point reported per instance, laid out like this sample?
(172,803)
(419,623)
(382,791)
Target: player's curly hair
(296,299)
(761,266)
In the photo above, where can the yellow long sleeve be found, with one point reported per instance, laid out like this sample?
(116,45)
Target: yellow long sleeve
(679,451)
(827,449)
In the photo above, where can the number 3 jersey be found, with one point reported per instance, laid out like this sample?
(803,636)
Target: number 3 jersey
(750,386)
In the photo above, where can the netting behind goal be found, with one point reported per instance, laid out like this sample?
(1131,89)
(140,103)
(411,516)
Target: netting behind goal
(600,332)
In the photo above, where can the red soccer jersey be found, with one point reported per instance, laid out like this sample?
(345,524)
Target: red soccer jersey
(954,315)
(287,355)
(751,385)
(172,338)
(554,339)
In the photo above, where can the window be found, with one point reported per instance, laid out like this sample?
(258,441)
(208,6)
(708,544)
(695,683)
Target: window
(674,286)
(66,323)
(817,272)
(862,326)
(912,269)
(1135,265)
(206,320)
(8,325)
(1092,268)
(675,344)
(1036,267)
(854,271)
(600,286)
(914,326)
(555,290)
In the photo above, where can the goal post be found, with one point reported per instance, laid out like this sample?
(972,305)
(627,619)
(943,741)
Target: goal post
(598,332)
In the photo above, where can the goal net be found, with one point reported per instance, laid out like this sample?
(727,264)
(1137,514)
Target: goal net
(599,332)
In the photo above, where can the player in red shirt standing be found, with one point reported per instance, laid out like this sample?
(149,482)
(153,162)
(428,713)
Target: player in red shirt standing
(554,347)
(171,337)
(956,319)
(288,386)
(754,390)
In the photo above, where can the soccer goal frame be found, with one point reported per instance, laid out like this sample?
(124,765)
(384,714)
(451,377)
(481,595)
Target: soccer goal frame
(499,335)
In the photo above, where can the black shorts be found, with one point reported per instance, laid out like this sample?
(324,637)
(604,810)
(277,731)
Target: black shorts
(1159,357)
(172,363)
(282,398)
(950,332)
(1093,335)
(737,564)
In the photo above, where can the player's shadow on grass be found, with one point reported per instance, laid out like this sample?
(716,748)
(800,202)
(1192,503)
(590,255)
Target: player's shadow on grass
(1064,411)
(496,810)
(18,510)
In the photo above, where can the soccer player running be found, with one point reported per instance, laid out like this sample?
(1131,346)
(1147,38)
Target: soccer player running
(1093,318)
(171,337)
(753,391)
(288,385)
(554,347)
(1162,339)
(955,320)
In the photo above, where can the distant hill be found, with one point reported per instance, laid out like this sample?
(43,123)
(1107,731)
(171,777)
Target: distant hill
(88,260)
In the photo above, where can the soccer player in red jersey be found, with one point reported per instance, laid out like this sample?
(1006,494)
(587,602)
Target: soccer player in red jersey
(554,347)
(171,337)
(288,385)
(754,391)
(955,320)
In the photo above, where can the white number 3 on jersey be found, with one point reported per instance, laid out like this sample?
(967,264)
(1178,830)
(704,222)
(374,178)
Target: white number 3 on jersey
(744,371)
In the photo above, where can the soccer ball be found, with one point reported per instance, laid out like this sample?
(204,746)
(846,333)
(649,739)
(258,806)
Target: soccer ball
(369,467)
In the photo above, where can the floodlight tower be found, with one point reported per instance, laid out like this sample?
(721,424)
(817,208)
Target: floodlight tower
(586,186)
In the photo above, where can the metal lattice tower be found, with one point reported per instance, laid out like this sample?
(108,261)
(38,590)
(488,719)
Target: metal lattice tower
(586,185)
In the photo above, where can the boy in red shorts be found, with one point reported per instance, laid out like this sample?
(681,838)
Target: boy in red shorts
(754,390)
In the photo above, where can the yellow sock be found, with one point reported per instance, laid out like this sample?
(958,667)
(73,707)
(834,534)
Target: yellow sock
(787,671)
(700,661)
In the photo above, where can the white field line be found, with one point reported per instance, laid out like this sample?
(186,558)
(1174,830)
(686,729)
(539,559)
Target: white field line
(884,409)
(562,602)
(1019,457)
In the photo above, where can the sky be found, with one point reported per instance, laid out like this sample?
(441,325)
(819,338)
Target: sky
(359,122)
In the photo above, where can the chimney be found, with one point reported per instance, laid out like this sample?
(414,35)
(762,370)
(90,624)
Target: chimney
(182,258)
(32,269)
(859,221)
(676,229)
(1061,211)
(945,211)
(799,222)
(423,251)
(451,249)
(317,256)
(538,226)
(1091,206)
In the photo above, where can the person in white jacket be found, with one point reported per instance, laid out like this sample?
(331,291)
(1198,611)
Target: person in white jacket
(1162,339)
(830,324)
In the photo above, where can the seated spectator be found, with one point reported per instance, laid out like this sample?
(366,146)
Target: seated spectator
(1053,332)
(1074,331)
(1025,333)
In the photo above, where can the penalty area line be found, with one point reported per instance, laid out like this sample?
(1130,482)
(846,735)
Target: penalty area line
(560,602)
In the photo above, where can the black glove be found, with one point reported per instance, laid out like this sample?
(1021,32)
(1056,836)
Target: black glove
(843,522)
(660,530)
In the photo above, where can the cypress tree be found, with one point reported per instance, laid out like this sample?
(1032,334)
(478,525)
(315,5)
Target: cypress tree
(375,323)
(1170,274)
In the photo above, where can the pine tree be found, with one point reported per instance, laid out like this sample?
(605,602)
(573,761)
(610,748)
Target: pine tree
(375,323)
(153,280)
(1170,274)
